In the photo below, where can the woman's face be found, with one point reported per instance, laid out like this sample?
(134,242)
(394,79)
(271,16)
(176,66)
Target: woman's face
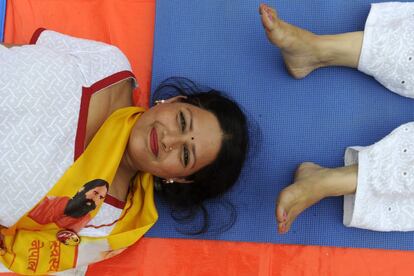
(174,140)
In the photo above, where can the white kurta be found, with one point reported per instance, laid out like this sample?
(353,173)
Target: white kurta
(384,199)
(44,99)
(44,94)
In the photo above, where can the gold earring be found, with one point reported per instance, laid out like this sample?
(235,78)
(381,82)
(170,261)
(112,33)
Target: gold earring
(168,181)
(159,101)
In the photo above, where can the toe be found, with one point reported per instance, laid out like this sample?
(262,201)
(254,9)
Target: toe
(281,214)
(264,7)
(281,217)
(281,228)
(268,17)
(285,225)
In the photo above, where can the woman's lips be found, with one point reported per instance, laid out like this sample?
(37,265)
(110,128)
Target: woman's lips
(154,141)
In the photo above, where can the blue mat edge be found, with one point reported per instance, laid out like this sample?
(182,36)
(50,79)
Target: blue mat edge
(2,18)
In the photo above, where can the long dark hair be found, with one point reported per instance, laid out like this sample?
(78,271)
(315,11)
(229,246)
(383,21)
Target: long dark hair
(216,178)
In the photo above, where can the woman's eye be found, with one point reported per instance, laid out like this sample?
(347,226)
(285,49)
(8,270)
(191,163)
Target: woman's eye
(183,123)
(186,155)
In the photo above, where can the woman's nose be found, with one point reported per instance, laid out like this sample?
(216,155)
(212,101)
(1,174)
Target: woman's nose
(172,141)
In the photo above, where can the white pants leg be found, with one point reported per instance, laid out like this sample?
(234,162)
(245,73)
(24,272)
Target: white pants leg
(384,199)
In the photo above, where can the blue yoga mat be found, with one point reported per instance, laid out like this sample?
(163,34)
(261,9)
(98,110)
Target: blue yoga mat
(220,43)
(2,18)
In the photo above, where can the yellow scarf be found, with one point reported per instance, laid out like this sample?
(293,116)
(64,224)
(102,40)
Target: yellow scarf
(32,246)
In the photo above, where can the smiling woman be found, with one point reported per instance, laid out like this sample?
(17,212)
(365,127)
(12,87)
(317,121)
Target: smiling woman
(176,138)
(76,100)
(217,136)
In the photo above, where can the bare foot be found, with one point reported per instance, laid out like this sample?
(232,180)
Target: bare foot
(299,47)
(308,188)
(311,184)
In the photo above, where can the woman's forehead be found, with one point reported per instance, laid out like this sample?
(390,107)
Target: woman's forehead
(207,136)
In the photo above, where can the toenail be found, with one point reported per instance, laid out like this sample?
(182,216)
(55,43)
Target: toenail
(269,15)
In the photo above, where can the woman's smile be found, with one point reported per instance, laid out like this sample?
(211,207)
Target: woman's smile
(154,141)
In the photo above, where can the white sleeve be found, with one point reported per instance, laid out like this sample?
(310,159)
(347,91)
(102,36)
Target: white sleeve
(78,271)
(384,198)
(97,60)
(387,51)
(3,269)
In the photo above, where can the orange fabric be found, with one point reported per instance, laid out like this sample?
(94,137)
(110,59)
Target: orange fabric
(151,256)
(123,23)
(133,33)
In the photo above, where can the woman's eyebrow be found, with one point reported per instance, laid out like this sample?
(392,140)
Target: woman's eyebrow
(193,149)
(191,119)
(194,154)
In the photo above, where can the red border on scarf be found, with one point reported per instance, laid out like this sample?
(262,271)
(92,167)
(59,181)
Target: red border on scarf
(87,93)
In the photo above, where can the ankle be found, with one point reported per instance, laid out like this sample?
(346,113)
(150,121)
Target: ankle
(322,50)
(341,181)
(341,49)
(326,50)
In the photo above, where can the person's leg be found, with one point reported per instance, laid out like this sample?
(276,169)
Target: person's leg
(304,51)
(311,184)
(386,55)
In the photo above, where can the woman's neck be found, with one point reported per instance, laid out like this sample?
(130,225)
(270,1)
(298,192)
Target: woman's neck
(120,184)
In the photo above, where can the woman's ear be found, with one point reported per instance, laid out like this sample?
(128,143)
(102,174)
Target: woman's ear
(182,180)
(175,99)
